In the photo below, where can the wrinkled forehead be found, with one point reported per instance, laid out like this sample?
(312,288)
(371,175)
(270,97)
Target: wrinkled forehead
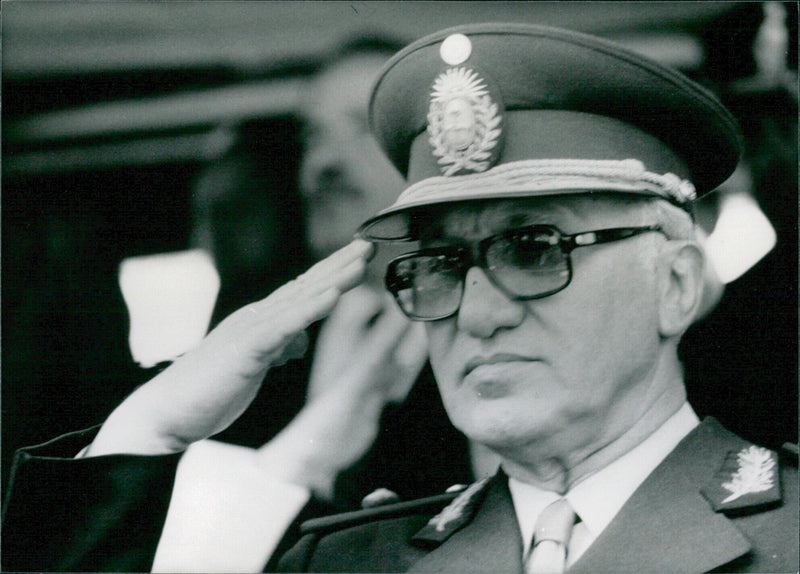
(471,221)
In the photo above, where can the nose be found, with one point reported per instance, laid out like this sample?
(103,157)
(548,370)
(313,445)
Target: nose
(484,308)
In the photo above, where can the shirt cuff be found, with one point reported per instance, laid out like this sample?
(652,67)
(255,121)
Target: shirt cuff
(226,514)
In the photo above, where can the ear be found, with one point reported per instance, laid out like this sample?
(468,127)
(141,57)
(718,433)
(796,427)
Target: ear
(680,286)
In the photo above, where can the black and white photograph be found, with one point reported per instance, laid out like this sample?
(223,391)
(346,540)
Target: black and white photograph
(399,286)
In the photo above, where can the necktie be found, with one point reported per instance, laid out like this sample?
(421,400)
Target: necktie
(553,529)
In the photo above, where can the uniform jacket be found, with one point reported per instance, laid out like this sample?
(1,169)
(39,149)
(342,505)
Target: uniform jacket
(668,525)
(106,514)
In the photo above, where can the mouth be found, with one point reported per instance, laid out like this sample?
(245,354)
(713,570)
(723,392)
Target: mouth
(496,359)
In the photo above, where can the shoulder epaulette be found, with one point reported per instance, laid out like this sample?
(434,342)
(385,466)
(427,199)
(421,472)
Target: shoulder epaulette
(749,479)
(455,515)
(356,517)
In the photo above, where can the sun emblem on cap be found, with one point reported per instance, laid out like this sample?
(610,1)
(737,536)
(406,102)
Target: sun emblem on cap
(463,122)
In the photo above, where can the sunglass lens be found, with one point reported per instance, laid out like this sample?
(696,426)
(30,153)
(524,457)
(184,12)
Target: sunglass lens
(428,286)
(528,264)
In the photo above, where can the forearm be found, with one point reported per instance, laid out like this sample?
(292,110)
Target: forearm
(210,509)
(89,514)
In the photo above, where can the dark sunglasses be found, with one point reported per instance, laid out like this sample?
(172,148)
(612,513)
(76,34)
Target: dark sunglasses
(525,263)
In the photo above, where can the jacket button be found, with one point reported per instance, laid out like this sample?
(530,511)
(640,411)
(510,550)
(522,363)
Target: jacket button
(379,497)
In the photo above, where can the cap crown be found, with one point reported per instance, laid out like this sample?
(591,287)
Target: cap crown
(543,94)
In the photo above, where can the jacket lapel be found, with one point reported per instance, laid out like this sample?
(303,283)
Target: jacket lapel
(667,525)
(490,542)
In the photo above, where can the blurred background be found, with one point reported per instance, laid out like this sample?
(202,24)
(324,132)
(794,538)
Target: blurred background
(132,129)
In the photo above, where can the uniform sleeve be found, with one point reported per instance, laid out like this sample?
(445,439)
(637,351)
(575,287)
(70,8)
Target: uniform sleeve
(100,513)
(298,558)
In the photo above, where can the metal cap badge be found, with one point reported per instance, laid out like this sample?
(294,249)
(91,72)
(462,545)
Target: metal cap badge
(464,123)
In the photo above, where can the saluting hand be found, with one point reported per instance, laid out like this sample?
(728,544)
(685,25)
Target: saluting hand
(367,342)
(367,355)
(207,389)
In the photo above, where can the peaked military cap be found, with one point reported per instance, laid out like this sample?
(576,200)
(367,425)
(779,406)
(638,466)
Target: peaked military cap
(504,110)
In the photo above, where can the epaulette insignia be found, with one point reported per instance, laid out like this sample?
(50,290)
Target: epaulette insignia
(747,479)
(454,515)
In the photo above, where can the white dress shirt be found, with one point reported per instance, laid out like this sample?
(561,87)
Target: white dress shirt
(599,497)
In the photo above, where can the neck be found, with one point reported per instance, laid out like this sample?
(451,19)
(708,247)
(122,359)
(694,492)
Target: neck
(556,469)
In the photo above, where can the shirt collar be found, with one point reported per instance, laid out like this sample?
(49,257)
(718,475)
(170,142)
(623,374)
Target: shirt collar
(617,481)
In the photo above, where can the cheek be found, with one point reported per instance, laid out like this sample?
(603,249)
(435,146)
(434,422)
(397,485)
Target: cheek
(441,350)
(616,293)
(618,326)
(609,296)
(634,309)
(439,338)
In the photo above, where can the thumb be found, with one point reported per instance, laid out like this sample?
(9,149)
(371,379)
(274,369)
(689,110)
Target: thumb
(295,349)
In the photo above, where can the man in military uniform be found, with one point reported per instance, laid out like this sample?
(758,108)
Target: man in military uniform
(551,176)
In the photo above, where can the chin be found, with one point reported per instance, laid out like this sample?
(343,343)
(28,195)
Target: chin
(501,442)
(497,426)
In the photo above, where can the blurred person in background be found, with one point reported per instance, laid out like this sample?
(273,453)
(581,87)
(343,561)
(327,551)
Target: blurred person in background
(246,212)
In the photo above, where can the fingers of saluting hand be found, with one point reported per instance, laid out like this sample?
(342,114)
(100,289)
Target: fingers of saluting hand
(379,361)
(274,325)
(342,271)
(205,390)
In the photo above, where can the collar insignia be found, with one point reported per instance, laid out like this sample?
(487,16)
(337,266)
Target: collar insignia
(748,478)
(454,515)
(464,124)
